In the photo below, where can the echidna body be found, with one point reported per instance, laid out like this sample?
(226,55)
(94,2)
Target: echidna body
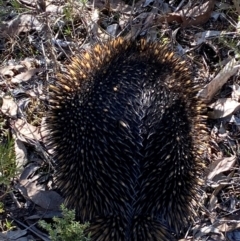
(126,129)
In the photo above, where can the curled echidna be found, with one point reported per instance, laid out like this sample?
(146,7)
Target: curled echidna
(127,133)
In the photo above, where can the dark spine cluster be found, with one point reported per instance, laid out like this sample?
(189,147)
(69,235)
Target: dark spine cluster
(127,132)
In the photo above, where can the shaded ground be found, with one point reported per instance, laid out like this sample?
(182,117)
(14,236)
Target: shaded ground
(37,38)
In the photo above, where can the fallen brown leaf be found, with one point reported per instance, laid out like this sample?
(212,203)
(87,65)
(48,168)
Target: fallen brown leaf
(26,131)
(220,165)
(220,79)
(9,107)
(25,76)
(223,107)
(22,23)
(189,17)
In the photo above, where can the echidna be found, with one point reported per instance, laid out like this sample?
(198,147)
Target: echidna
(127,132)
